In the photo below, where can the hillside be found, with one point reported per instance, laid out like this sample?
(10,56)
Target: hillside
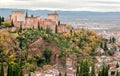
(38,49)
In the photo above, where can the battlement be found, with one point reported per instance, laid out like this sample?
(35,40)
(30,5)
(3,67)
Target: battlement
(18,12)
(55,13)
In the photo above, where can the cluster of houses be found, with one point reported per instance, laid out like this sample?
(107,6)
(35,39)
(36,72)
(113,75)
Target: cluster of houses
(52,21)
(107,35)
(111,61)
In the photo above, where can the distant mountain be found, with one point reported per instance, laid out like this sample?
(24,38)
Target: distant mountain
(72,16)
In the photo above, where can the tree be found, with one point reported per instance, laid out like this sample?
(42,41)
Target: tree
(2,19)
(58,22)
(104,71)
(93,70)
(60,74)
(32,15)
(1,70)
(101,45)
(84,68)
(99,73)
(110,40)
(47,54)
(48,31)
(77,71)
(113,40)
(105,46)
(20,29)
(65,74)
(117,73)
(9,70)
(56,29)
(38,26)
(117,65)
(26,15)
(12,23)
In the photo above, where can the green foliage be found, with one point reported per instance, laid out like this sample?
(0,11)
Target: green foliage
(1,69)
(13,70)
(1,19)
(39,26)
(117,65)
(105,46)
(60,74)
(104,71)
(93,70)
(32,15)
(20,29)
(112,40)
(12,23)
(47,54)
(65,74)
(26,14)
(22,42)
(83,68)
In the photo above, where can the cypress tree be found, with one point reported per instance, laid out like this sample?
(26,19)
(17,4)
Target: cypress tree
(29,74)
(0,20)
(103,71)
(117,73)
(65,74)
(86,68)
(12,23)
(110,40)
(10,70)
(56,29)
(16,70)
(26,14)
(93,70)
(2,70)
(117,65)
(113,40)
(60,74)
(32,15)
(38,26)
(20,29)
(105,46)
(81,73)
(99,74)
(77,71)
(101,45)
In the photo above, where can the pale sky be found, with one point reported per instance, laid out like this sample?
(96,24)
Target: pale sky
(68,5)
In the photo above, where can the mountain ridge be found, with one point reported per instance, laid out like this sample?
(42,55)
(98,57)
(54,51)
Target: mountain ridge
(71,16)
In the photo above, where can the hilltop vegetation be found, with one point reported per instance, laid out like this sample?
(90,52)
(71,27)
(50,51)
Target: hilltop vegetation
(16,48)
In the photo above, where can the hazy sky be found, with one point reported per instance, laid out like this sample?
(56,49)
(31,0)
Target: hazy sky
(76,5)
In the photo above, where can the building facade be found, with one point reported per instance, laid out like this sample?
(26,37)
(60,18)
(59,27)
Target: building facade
(51,22)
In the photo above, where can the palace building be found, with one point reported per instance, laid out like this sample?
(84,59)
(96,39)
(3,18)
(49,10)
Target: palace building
(51,22)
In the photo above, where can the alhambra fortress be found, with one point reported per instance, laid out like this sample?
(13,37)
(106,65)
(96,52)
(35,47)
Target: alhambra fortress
(52,21)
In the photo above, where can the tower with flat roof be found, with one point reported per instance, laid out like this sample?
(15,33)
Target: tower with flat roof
(54,17)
